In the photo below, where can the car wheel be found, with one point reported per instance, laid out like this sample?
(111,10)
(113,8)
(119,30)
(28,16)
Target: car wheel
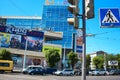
(2,71)
(43,74)
(24,72)
(31,73)
(71,74)
(61,74)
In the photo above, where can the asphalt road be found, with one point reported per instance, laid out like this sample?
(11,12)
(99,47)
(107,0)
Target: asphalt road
(20,76)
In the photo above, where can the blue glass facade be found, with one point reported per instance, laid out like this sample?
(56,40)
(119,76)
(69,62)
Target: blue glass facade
(27,23)
(55,17)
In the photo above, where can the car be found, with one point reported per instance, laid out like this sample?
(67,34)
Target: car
(38,70)
(64,72)
(98,72)
(90,72)
(77,72)
(50,70)
(31,67)
(119,71)
(113,72)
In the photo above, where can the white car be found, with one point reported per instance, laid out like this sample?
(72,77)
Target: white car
(99,72)
(64,72)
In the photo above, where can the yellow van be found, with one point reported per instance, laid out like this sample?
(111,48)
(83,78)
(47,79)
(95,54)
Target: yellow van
(6,65)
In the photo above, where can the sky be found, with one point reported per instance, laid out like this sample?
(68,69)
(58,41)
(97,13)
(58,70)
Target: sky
(105,39)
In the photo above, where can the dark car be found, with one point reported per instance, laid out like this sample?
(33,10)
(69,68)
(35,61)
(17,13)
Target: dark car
(119,72)
(31,67)
(113,72)
(50,70)
(39,70)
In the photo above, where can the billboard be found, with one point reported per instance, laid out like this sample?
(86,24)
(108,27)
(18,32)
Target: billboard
(15,41)
(17,37)
(113,63)
(33,43)
(4,39)
(47,47)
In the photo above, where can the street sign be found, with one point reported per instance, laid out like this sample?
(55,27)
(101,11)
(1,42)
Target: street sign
(79,41)
(113,63)
(110,18)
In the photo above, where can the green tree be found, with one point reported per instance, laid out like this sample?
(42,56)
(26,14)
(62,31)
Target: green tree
(73,58)
(110,57)
(98,62)
(88,60)
(118,59)
(52,57)
(5,55)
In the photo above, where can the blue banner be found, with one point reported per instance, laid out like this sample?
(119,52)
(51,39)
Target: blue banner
(20,31)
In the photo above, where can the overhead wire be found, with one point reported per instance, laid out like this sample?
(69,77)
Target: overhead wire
(16,6)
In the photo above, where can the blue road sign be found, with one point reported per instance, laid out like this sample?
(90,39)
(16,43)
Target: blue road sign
(79,49)
(109,18)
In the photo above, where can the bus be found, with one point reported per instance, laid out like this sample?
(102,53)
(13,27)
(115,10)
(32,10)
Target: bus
(6,65)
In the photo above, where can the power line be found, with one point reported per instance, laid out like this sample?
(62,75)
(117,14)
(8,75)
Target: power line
(16,6)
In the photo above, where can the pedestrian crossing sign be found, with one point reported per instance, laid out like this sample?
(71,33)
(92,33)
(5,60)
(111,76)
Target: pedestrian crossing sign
(109,18)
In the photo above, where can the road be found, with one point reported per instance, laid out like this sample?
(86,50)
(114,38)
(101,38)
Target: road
(20,76)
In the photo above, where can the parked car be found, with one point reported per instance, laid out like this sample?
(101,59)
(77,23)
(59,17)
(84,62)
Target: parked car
(31,67)
(90,72)
(77,72)
(99,72)
(65,72)
(50,70)
(119,71)
(113,72)
(38,70)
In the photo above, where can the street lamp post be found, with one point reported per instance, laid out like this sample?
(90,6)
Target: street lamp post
(0,42)
(105,62)
(64,57)
(24,62)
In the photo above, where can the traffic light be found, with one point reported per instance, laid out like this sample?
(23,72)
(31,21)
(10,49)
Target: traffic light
(74,9)
(74,21)
(89,9)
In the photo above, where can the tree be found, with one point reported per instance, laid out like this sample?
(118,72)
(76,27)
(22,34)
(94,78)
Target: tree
(118,59)
(5,55)
(98,62)
(88,60)
(52,57)
(73,58)
(111,57)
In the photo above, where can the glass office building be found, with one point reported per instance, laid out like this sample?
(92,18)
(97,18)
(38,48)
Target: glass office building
(55,18)
(21,22)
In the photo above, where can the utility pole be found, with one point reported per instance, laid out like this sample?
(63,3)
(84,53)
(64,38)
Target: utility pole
(24,62)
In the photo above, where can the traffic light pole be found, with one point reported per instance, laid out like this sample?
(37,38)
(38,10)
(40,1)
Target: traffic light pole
(87,12)
(84,41)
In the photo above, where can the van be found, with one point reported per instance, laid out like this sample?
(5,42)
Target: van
(6,65)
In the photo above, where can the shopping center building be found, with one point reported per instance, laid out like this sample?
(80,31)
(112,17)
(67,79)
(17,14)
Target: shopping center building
(53,23)
(30,43)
